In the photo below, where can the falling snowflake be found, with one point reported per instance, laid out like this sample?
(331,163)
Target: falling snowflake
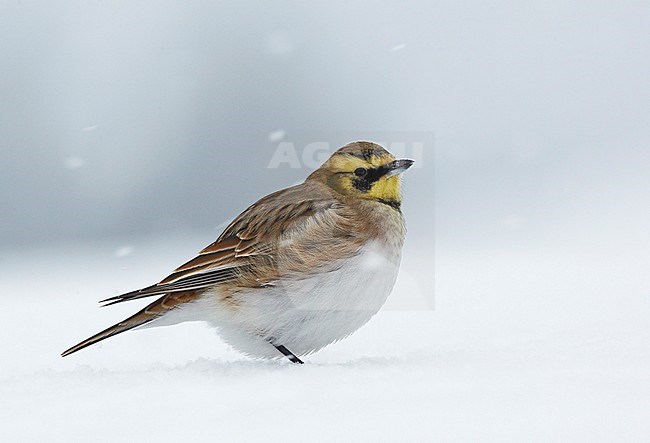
(276,136)
(123,251)
(74,162)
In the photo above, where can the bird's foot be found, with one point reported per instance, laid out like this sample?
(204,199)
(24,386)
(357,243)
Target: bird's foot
(290,355)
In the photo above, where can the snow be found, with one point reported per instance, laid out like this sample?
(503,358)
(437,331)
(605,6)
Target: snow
(123,251)
(74,163)
(276,136)
(520,346)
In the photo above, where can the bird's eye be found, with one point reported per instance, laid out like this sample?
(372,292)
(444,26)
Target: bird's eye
(360,172)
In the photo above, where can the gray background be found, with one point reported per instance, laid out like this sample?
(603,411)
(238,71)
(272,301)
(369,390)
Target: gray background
(122,119)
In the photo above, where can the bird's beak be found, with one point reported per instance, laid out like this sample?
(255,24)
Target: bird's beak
(398,166)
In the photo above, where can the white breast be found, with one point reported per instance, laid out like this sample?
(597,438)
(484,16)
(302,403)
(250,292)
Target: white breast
(303,315)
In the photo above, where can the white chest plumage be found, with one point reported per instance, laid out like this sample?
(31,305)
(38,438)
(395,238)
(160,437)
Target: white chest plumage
(308,313)
(303,315)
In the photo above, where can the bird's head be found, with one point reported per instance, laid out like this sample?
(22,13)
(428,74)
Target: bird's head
(364,170)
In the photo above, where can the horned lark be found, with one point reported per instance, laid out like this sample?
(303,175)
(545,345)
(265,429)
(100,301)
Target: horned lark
(300,269)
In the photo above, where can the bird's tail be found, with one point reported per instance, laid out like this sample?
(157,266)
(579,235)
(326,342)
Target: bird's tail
(146,315)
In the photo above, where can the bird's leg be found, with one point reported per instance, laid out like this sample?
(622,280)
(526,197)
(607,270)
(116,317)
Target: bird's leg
(287,353)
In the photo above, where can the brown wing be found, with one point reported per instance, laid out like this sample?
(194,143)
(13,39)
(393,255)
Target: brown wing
(248,244)
(288,234)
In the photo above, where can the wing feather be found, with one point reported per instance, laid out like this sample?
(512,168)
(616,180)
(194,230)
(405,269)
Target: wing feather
(251,238)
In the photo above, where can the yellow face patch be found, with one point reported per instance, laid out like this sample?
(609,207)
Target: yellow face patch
(363,177)
(386,189)
(350,162)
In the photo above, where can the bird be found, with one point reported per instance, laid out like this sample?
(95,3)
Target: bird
(300,269)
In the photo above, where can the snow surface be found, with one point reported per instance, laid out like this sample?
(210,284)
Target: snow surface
(518,347)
